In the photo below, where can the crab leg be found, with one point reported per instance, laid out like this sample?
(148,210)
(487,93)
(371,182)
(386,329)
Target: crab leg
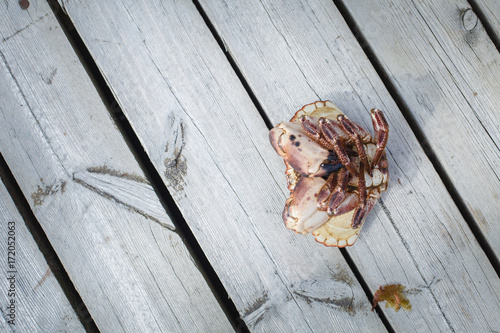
(333,138)
(381,128)
(370,203)
(313,131)
(356,133)
(326,191)
(338,194)
(349,203)
(360,213)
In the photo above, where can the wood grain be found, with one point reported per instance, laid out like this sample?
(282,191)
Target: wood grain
(88,192)
(210,145)
(292,53)
(32,299)
(491,11)
(447,73)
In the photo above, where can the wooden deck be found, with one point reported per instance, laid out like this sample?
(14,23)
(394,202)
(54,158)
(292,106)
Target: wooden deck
(136,136)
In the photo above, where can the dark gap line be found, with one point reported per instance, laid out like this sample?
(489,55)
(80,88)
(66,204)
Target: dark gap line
(486,24)
(366,289)
(149,170)
(424,143)
(269,125)
(233,64)
(45,247)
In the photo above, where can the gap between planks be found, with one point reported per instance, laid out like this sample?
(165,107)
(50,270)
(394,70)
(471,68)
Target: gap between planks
(269,125)
(48,252)
(457,199)
(490,31)
(150,172)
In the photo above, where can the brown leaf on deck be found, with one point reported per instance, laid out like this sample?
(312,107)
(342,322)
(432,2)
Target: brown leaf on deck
(394,296)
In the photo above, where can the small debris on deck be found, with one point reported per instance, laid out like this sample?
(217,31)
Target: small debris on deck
(394,296)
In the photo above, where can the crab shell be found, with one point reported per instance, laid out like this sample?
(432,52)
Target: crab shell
(304,159)
(304,156)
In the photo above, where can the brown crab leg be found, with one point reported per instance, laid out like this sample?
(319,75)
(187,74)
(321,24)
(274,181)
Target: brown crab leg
(313,131)
(355,132)
(338,194)
(326,191)
(381,129)
(333,138)
(360,212)
(349,203)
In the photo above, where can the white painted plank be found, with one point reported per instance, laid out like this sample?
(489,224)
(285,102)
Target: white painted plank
(87,190)
(448,73)
(31,300)
(210,145)
(295,52)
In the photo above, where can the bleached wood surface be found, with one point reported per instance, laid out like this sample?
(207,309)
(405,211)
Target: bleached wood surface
(39,304)
(491,11)
(87,191)
(447,70)
(210,145)
(292,52)
(201,125)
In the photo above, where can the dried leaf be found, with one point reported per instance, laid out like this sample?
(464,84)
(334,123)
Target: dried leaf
(394,295)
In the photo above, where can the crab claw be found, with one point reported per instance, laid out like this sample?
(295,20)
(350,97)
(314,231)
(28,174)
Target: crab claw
(301,213)
(303,154)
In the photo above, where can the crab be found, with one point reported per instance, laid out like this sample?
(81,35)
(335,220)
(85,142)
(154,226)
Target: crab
(335,170)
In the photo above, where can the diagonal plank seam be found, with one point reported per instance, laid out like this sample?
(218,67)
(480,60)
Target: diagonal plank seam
(152,176)
(486,24)
(289,47)
(445,64)
(422,276)
(452,190)
(113,198)
(366,289)
(233,64)
(269,125)
(48,252)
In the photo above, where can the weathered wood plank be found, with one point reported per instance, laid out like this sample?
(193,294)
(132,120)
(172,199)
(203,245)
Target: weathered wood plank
(32,299)
(447,70)
(210,145)
(491,12)
(85,187)
(295,52)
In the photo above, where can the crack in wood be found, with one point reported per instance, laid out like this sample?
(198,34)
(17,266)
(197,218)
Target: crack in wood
(128,206)
(336,293)
(24,28)
(345,304)
(105,170)
(254,314)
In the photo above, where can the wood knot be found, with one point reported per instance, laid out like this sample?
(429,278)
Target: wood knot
(24,4)
(469,19)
